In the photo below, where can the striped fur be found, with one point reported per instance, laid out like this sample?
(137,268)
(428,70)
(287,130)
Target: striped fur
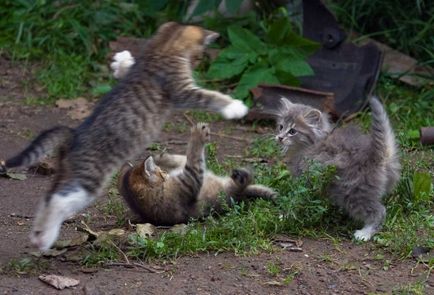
(188,190)
(125,121)
(367,165)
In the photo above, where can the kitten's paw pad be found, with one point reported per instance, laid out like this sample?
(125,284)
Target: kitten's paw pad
(235,110)
(122,62)
(363,234)
(201,131)
(242,177)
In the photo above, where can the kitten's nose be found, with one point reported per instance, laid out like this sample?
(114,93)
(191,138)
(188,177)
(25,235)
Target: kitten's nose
(279,138)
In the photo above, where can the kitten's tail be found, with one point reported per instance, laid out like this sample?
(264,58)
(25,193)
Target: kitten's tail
(384,144)
(42,145)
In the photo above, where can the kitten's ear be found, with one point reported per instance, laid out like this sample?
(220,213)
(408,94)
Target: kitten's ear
(166,26)
(313,117)
(286,103)
(149,166)
(210,37)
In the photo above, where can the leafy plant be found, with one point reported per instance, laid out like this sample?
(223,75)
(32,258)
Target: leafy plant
(279,58)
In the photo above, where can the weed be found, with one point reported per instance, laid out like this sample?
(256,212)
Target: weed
(115,207)
(24,265)
(417,288)
(273,269)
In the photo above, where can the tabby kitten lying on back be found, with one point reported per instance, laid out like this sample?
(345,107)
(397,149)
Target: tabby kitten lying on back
(187,190)
(125,121)
(367,165)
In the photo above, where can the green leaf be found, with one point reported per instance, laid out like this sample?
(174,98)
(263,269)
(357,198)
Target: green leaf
(253,76)
(205,6)
(295,67)
(233,6)
(278,30)
(422,185)
(245,40)
(230,62)
(290,61)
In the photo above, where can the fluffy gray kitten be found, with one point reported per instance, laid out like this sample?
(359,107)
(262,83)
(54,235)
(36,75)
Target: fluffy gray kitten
(367,165)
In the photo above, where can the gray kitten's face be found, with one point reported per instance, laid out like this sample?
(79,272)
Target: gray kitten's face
(299,126)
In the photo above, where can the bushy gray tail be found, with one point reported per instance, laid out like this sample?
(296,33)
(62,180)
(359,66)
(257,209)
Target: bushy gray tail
(384,144)
(42,145)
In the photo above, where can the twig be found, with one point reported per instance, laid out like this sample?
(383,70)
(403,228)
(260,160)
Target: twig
(122,252)
(190,120)
(132,265)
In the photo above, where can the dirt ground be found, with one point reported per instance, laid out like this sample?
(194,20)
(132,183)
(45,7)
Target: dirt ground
(323,267)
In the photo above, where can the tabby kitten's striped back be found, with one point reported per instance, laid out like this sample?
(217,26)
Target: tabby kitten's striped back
(124,122)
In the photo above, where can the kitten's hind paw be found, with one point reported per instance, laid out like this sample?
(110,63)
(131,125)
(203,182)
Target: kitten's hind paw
(201,132)
(235,110)
(242,177)
(122,62)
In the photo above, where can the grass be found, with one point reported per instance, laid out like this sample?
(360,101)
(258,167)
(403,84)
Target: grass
(404,25)
(302,208)
(70,41)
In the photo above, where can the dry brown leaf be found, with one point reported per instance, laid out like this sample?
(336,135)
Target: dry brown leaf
(59,282)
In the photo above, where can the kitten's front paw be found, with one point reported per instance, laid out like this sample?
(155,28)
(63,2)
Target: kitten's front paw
(235,110)
(364,234)
(122,62)
(201,132)
(44,238)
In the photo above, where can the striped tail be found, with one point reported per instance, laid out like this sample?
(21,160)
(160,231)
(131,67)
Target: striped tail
(42,145)
(384,144)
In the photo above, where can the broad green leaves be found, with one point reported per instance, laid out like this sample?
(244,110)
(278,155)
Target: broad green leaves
(251,61)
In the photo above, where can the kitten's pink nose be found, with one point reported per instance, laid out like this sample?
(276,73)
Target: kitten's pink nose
(279,138)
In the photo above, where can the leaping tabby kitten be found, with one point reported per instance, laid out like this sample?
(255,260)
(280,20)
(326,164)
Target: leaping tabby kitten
(367,164)
(125,121)
(184,189)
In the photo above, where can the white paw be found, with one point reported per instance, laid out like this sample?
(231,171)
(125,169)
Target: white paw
(364,234)
(235,110)
(122,62)
(44,238)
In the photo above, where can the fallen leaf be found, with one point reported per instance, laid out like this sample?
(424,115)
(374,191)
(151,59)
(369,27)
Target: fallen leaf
(118,232)
(59,282)
(60,244)
(145,230)
(44,167)
(16,176)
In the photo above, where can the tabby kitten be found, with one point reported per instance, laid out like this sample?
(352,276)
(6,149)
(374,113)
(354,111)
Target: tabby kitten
(187,190)
(367,164)
(125,121)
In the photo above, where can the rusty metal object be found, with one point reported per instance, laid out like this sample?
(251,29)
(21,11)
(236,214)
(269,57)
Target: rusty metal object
(266,99)
(426,135)
(340,67)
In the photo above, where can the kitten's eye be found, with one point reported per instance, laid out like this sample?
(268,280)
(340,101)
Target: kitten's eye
(292,131)
(280,127)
